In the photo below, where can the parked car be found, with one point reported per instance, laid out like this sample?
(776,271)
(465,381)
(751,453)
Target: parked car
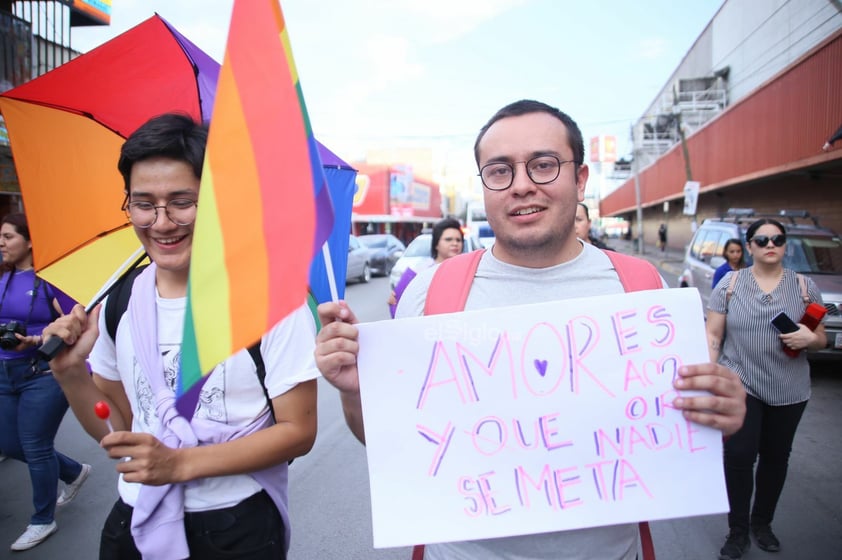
(359,261)
(486,235)
(385,249)
(417,255)
(811,249)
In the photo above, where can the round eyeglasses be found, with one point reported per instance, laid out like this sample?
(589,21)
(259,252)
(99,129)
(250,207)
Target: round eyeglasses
(499,176)
(180,211)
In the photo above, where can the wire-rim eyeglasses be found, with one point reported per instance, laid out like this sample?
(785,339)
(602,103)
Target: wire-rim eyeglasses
(142,214)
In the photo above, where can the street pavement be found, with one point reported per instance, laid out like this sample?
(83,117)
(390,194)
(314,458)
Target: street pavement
(329,491)
(669,260)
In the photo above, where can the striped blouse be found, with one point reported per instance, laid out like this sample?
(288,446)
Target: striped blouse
(752,347)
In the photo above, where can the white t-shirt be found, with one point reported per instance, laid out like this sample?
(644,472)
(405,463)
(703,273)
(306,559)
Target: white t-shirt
(496,284)
(232,394)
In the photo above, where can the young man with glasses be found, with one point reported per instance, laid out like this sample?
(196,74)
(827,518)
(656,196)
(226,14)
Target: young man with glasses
(530,157)
(213,487)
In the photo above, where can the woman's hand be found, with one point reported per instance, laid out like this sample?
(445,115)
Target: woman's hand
(27,341)
(804,338)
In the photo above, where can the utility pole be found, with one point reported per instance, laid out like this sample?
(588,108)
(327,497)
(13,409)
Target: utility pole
(676,110)
(685,151)
(636,172)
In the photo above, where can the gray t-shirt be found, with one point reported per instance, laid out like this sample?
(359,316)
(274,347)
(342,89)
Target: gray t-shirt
(499,284)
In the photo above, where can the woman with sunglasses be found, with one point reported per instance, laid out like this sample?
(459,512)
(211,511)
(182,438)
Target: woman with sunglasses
(740,312)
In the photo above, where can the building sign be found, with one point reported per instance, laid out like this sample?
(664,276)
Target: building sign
(90,12)
(691,197)
(420,196)
(400,184)
(604,149)
(361,182)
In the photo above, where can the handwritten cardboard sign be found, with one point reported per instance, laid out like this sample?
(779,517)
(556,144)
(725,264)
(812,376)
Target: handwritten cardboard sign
(535,418)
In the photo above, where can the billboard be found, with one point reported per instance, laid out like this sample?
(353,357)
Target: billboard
(90,12)
(604,149)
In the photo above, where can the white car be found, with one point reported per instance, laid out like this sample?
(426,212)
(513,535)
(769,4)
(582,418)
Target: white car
(417,255)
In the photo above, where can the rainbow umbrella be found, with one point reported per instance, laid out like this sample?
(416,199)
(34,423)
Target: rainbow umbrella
(66,137)
(65,130)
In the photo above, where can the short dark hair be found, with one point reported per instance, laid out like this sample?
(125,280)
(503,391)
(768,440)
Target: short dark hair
(587,212)
(438,230)
(527,106)
(752,229)
(172,135)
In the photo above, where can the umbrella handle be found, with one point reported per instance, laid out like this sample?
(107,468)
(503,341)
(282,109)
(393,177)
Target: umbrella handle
(49,349)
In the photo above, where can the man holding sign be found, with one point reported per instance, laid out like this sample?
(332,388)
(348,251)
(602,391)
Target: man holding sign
(530,157)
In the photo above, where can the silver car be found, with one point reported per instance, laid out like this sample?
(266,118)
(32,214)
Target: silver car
(359,262)
(810,250)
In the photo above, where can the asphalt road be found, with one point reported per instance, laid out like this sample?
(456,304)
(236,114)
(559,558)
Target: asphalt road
(330,505)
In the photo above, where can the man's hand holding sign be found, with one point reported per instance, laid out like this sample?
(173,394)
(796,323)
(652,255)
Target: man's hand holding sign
(536,418)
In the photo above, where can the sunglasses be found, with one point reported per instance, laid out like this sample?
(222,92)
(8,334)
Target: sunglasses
(763,240)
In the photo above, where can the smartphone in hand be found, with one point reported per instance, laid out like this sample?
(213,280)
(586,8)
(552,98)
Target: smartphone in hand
(784,324)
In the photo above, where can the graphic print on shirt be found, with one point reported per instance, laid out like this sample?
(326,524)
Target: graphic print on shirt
(145,399)
(212,397)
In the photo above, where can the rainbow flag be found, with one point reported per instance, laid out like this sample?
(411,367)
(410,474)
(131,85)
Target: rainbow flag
(264,204)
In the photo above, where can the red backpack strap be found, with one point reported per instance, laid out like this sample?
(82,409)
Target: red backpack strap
(635,274)
(647,547)
(451,283)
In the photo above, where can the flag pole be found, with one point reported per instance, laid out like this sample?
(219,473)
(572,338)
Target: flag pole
(331,279)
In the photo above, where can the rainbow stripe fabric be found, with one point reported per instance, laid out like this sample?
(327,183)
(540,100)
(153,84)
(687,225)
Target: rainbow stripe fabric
(264,205)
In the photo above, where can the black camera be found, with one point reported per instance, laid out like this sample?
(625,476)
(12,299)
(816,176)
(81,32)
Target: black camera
(8,340)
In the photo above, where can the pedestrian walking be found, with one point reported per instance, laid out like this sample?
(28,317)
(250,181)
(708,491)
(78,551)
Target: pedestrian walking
(447,241)
(531,162)
(32,404)
(740,312)
(215,486)
(662,237)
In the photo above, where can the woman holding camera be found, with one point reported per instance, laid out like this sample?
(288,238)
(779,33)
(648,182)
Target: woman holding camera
(741,311)
(32,404)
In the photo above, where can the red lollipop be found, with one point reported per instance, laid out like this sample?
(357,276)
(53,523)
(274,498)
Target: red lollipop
(102,410)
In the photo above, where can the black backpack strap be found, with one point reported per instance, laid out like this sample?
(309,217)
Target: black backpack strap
(260,369)
(118,300)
